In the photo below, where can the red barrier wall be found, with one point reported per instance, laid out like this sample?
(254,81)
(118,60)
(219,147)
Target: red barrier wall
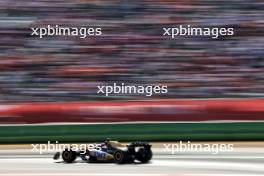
(172,110)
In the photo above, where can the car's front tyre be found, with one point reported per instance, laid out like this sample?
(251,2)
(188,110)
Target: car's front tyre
(69,156)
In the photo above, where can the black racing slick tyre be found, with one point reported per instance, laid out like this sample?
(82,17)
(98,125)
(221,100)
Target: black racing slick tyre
(56,156)
(121,157)
(144,155)
(69,156)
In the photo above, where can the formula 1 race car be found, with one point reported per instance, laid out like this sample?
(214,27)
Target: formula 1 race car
(110,151)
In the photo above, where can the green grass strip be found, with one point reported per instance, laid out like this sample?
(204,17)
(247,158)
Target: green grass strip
(127,132)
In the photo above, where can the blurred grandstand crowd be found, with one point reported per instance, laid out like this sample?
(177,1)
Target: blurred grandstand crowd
(131,50)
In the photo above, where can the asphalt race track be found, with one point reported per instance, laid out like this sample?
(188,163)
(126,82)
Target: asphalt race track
(246,159)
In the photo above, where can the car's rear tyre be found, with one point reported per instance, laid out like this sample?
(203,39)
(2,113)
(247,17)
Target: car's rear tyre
(144,155)
(121,157)
(69,156)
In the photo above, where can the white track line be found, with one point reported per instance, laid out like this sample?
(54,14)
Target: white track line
(132,122)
